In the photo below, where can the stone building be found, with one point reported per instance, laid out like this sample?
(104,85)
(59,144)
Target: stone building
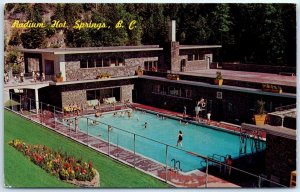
(83,69)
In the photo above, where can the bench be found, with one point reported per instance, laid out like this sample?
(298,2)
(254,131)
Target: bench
(92,103)
(109,100)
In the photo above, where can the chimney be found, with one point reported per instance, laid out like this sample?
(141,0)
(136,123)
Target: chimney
(172,31)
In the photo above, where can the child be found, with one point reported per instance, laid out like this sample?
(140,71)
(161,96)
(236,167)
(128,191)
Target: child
(208,117)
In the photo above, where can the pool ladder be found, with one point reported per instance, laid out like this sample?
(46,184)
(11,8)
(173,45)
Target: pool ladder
(175,168)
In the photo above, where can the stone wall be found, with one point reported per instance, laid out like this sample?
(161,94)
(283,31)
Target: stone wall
(74,97)
(74,72)
(280,158)
(76,93)
(195,65)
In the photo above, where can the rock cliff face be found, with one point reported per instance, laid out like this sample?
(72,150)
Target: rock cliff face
(22,12)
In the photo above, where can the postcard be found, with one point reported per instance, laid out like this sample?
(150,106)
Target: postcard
(149,95)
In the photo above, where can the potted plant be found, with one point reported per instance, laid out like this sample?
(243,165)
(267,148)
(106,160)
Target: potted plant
(103,76)
(173,76)
(260,115)
(59,77)
(271,88)
(139,71)
(219,78)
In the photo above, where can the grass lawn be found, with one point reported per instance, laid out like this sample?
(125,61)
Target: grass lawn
(19,171)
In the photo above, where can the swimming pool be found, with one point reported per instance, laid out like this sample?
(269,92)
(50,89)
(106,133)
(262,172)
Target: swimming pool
(197,139)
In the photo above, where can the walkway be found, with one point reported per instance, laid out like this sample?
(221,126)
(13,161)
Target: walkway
(195,179)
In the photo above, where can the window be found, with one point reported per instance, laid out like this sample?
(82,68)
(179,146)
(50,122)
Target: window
(150,65)
(91,63)
(99,62)
(188,93)
(121,62)
(196,57)
(33,64)
(91,95)
(113,62)
(146,65)
(100,94)
(106,62)
(83,64)
(201,56)
(163,89)
(156,88)
(190,57)
(229,107)
(174,91)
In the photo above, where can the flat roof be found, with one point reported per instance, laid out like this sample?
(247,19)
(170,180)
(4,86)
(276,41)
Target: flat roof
(255,77)
(273,130)
(223,87)
(110,49)
(61,51)
(92,80)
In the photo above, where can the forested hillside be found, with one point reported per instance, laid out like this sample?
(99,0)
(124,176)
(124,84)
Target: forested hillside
(249,33)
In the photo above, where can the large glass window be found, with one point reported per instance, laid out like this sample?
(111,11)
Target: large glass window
(99,62)
(156,88)
(100,94)
(106,62)
(172,91)
(83,64)
(91,63)
(33,64)
(113,62)
(121,62)
(190,57)
(150,65)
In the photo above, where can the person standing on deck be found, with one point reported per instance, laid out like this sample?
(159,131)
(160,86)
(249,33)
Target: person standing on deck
(76,124)
(184,111)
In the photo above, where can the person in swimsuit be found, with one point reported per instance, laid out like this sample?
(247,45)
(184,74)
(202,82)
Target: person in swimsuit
(179,141)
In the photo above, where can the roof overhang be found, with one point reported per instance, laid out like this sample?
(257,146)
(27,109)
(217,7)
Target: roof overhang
(199,46)
(64,51)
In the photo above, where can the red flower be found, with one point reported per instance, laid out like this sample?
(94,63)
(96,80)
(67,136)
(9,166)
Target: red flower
(90,165)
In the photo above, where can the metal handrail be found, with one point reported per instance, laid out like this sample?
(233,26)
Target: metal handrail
(207,158)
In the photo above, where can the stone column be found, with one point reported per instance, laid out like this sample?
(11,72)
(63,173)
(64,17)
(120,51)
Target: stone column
(126,92)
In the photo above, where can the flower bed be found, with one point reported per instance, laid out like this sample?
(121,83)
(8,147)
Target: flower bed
(63,166)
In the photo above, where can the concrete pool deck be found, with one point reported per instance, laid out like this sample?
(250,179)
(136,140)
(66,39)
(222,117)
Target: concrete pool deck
(195,179)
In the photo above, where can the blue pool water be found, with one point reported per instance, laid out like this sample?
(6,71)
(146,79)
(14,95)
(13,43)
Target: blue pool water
(197,139)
